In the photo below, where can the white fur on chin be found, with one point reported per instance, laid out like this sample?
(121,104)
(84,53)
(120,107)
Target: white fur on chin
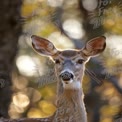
(72,85)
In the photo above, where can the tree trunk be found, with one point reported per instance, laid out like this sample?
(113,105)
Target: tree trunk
(10,29)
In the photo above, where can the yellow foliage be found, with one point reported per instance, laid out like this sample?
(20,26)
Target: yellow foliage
(111,62)
(113,20)
(47,92)
(86,84)
(35,113)
(109,92)
(28,9)
(47,107)
(49,28)
(106,120)
(108,110)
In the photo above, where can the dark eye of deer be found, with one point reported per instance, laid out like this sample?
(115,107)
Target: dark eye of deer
(80,61)
(57,61)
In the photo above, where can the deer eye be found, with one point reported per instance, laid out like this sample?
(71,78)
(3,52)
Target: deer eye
(80,61)
(57,61)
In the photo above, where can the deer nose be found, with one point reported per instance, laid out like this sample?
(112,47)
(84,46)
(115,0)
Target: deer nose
(66,76)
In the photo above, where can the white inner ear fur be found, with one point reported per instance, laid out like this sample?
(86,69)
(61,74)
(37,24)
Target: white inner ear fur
(50,46)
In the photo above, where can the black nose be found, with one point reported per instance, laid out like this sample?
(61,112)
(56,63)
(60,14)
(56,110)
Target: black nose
(66,76)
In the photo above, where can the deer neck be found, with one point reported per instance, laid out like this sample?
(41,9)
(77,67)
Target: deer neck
(70,105)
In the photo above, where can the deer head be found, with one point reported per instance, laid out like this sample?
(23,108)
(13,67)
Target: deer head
(69,64)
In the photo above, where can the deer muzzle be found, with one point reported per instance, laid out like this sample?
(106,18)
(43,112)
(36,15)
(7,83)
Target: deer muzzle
(66,76)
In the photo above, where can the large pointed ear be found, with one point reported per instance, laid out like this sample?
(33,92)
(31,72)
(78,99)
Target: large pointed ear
(95,46)
(43,46)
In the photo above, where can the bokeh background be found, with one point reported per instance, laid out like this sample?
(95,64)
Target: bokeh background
(68,24)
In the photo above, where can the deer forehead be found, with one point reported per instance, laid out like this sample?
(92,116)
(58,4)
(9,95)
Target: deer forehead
(69,54)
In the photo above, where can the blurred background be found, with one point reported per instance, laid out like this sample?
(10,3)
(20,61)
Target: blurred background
(68,24)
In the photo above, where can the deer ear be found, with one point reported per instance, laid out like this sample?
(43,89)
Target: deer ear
(43,46)
(95,46)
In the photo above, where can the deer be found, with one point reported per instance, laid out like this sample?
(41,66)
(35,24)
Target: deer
(69,69)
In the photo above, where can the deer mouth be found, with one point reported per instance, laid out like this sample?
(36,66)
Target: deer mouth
(66,82)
